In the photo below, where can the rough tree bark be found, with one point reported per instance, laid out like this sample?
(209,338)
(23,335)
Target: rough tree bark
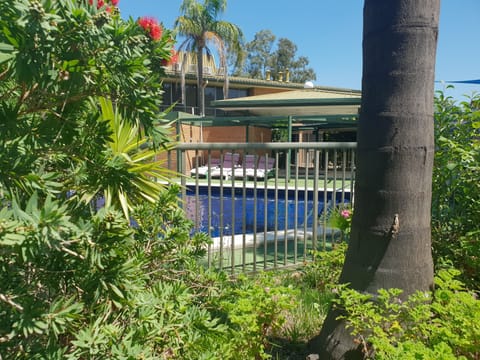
(390,245)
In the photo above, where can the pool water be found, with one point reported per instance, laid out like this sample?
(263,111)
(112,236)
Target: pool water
(238,212)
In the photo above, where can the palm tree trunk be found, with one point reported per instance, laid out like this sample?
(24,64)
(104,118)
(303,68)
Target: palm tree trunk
(200,84)
(390,244)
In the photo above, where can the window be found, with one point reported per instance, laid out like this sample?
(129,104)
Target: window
(191,95)
(235,93)
(173,93)
(167,94)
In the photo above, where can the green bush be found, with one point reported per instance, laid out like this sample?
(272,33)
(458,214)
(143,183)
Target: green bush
(444,324)
(75,289)
(81,89)
(255,310)
(456,189)
(324,271)
(312,284)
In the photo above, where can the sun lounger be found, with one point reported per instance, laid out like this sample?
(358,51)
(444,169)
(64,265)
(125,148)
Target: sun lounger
(248,165)
(202,171)
(264,168)
(226,168)
(253,168)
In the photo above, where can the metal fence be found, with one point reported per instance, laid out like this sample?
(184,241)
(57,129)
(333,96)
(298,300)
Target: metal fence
(264,218)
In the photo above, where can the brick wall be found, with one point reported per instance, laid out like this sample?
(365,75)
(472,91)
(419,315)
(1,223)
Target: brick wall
(227,134)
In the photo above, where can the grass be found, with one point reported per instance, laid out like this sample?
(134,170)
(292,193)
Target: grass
(304,320)
(306,317)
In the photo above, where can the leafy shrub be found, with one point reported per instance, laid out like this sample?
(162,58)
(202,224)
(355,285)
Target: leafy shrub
(255,309)
(311,300)
(77,282)
(456,189)
(324,271)
(158,322)
(303,320)
(71,288)
(163,237)
(439,325)
(55,57)
(341,218)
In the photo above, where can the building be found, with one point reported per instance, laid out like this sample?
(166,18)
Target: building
(257,110)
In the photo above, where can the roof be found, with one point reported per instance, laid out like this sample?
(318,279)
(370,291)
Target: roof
(245,82)
(320,107)
(297,102)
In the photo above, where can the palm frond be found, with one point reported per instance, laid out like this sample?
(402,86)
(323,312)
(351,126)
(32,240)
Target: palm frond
(132,173)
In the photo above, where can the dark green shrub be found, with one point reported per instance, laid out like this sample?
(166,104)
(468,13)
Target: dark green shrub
(456,186)
(77,288)
(77,282)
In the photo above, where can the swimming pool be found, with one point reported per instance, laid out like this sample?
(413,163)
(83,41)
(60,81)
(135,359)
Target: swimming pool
(246,211)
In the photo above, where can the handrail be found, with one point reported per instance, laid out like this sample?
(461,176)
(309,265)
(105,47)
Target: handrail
(268,146)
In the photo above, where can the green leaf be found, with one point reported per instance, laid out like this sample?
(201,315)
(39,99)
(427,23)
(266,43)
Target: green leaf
(117,291)
(6,52)
(451,165)
(12,239)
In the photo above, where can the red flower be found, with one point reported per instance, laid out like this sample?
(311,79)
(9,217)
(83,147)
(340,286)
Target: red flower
(115,2)
(100,3)
(144,22)
(156,32)
(152,26)
(173,58)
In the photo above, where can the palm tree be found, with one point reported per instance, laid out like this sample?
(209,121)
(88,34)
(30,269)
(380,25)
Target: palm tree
(128,172)
(200,27)
(390,243)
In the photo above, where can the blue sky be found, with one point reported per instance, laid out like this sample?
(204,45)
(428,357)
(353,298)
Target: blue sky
(329,33)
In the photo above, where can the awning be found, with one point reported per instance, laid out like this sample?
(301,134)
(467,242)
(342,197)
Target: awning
(295,103)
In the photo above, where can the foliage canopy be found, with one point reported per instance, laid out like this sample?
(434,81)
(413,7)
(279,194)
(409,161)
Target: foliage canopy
(263,56)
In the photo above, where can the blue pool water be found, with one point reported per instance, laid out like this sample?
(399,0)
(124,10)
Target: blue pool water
(238,208)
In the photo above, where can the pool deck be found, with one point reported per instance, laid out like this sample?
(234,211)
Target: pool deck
(240,241)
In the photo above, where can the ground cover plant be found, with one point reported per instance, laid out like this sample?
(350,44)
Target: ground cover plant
(442,324)
(438,325)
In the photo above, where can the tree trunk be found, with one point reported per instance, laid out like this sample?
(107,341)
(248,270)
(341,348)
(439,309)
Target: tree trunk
(390,244)
(200,84)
